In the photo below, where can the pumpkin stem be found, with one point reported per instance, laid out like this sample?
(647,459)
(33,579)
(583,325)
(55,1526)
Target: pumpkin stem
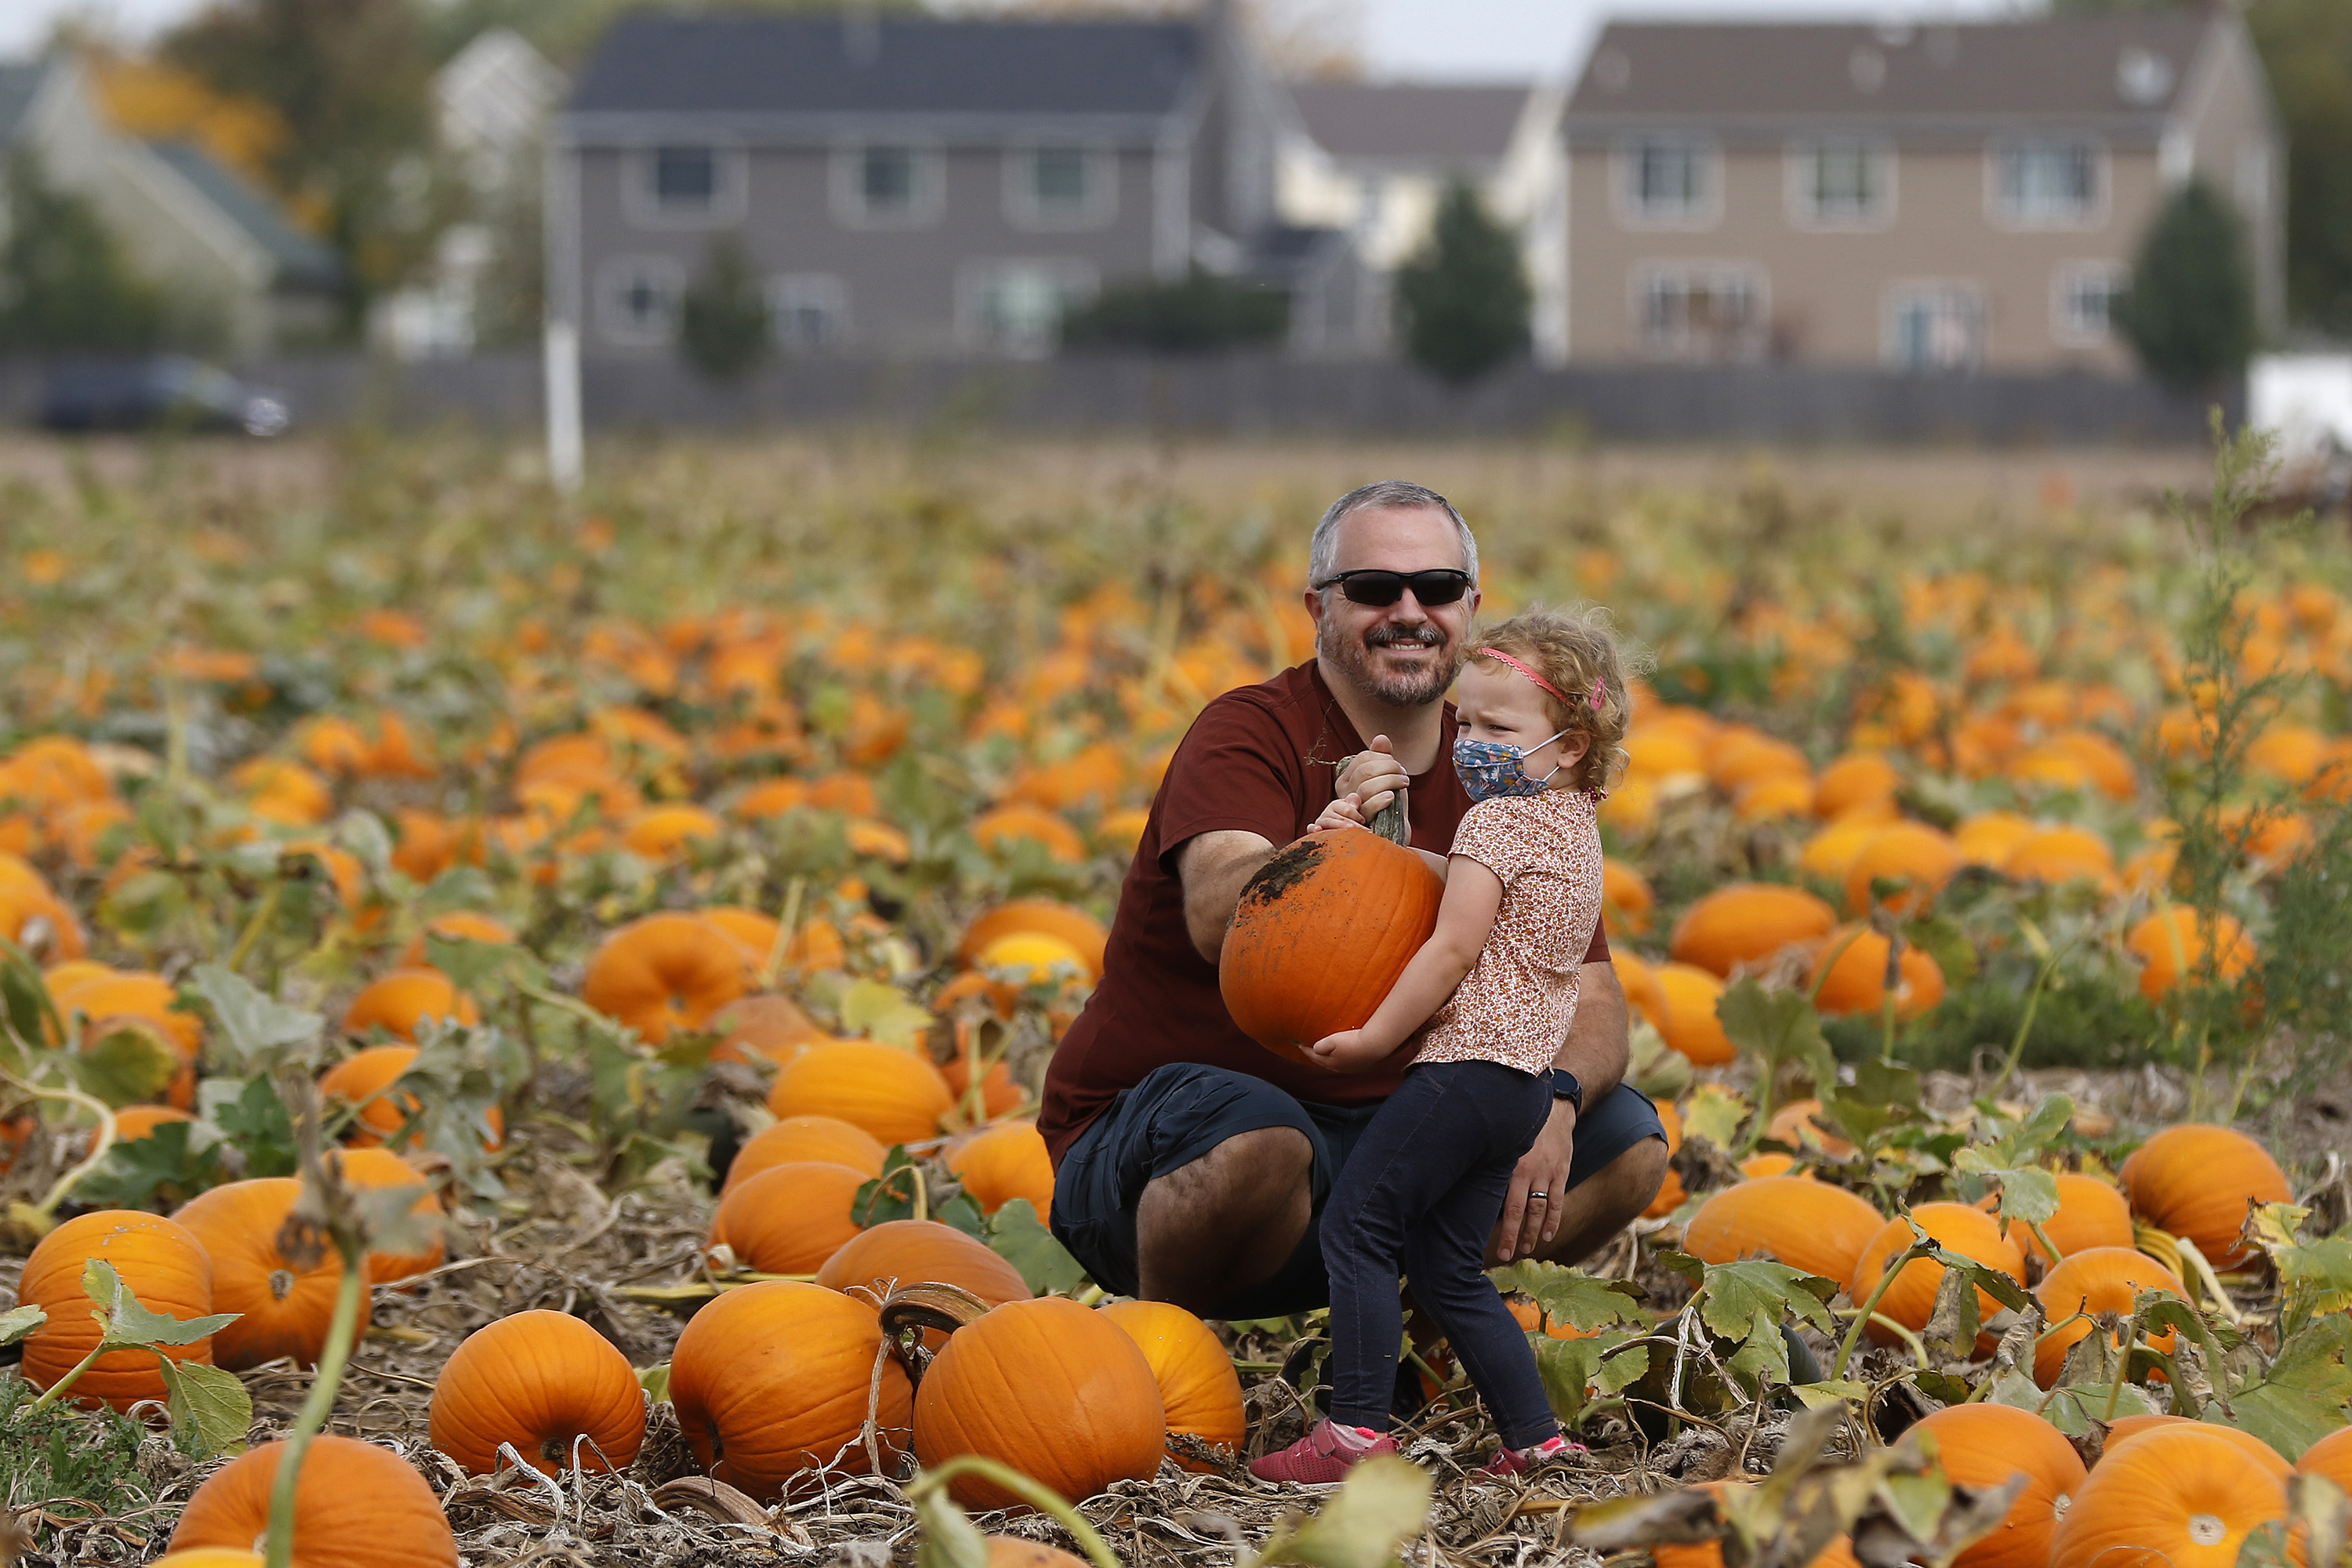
(1388,821)
(907,1310)
(281,1284)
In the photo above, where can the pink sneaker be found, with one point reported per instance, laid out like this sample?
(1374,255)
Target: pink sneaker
(1327,1453)
(1519,1461)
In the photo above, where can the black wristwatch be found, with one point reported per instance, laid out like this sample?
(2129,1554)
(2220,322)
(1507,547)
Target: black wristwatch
(1565,1087)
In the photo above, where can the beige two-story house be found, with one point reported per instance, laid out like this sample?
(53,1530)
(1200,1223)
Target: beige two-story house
(1933,197)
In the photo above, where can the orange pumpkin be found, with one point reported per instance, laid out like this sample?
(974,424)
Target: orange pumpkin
(1958,1227)
(919,1252)
(1805,1223)
(2095,1280)
(285,1309)
(1857,779)
(1004,1162)
(662,972)
(113,994)
(828,1140)
(1053,1390)
(1012,1551)
(1085,934)
(763,1027)
(401,1003)
(2091,1212)
(361,1080)
(789,1218)
(2131,1428)
(165,1267)
(1854,959)
(1985,1445)
(2198,1181)
(998,1093)
(539,1381)
(1747,923)
(2330,1457)
(1921,857)
(1793,1124)
(458,925)
(1002,829)
(1838,1554)
(210,1557)
(1321,933)
(1627,901)
(772,1379)
(356,1506)
(2180,1498)
(2173,945)
(133,1122)
(1687,1019)
(2065,854)
(895,1094)
(377,1167)
(1199,1392)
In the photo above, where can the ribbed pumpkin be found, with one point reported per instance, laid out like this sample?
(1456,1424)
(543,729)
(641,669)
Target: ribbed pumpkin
(2091,1212)
(2132,1429)
(2095,1280)
(763,1027)
(771,1379)
(2196,1180)
(165,1267)
(923,1251)
(1854,959)
(2179,1498)
(113,994)
(1199,1392)
(382,1168)
(1687,1020)
(789,1218)
(538,1380)
(362,1078)
(1747,923)
(1005,1161)
(1080,930)
(828,1140)
(1921,857)
(1059,1393)
(402,1002)
(209,1557)
(1805,1223)
(356,1506)
(1958,1227)
(1321,933)
(2330,1457)
(895,1095)
(1984,1446)
(133,1122)
(285,1309)
(662,972)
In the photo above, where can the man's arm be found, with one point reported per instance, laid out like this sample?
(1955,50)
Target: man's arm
(1596,1051)
(1213,868)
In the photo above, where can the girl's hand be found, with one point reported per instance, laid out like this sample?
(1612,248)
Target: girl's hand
(1348,811)
(1347,1051)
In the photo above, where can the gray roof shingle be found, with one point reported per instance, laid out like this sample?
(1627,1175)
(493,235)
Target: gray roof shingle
(766,65)
(302,261)
(1400,122)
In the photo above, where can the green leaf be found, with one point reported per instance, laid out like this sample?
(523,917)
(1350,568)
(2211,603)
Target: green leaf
(470,964)
(963,1213)
(1383,1503)
(169,1165)
(458,888)
(1779,1027)
(1045,1265)
(1828,1392)
(1943,939)
(885,1012)
(31,1016)
(1881,1095)
(255,1120)
(209,1407)
(1570,1295)
(654,1381)
(1735,1296)
(1715,1113)
(2029,1195)
(129,1064)
(890,1195)
(950,1539)
(126,1324)
(1573,1370)
(257,1031)
(18,1322)
(1952,1326)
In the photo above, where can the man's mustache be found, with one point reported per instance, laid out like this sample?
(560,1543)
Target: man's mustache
(1386,636)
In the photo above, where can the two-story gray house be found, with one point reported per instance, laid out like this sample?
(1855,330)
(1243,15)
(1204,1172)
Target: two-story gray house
(904,186)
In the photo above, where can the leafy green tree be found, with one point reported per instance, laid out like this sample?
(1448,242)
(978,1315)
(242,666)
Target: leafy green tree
(65,284)
(1463,301)
(722,326)
(2190,313)
(1200,313)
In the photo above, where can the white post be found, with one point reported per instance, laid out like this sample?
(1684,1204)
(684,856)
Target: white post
(565,445)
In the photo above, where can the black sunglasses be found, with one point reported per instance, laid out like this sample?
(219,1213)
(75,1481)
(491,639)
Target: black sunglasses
(1375,588)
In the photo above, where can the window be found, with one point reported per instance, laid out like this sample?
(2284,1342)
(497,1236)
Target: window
(685,179)
(1667,180)
(808,313)
(1935,326)
(886,186)
(684,186)
(1840,184)
(1016,307)
(1702,311)
(2083,301)
(2047,185)
(637,298)
(885,181)
(1059,188)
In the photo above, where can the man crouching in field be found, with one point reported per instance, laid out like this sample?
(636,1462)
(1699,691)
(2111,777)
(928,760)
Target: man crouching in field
(1192,1164)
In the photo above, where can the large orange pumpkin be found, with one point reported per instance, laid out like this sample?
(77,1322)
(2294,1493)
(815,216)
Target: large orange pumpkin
(771,1379)
(919,1252)
(895,1094)
(1005,1161)
(764,1026)
(209,1557)
(2131,1428)
(1849,974)
(789,1218)
(2095,1280)
(662,972)
(165,1267)
(1921,857)
(2173,945)
(1080,930)
(361,1080)
(133,1122)
(1199,1392)
(1747,923)
(1688,1019)
(382,1168)
(2091,1212)
(285,1309)
(1805,1223)
(541,1381)
(828,1140)
(1984,1446)
(1958,1227)
(2197,1180)
(1058,1392)
(403,1001)
(2178,1497)
(356,1506)
(2330,1457)
(1321,933)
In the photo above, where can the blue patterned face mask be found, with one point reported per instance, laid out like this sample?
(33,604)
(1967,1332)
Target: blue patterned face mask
(1491,769)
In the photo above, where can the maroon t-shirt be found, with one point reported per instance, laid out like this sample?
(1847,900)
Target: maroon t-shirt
(1261,759)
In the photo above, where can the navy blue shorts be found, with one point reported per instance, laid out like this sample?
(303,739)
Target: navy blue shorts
(1181,1111)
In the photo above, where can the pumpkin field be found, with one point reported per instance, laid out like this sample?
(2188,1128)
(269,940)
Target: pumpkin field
(521,1016)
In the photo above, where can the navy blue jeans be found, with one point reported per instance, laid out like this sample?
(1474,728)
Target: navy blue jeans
(1422,1190)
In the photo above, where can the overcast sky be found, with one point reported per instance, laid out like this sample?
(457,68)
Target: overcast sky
(1449,39)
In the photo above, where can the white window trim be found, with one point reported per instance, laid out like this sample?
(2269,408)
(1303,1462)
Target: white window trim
(1082,277)
(1623,157)
(612,274)
(1890,329)
(1021,209)
(1797,185)
(2062,281)
(1997,211)
(845,186)
(730,166)
(1759,289)
(829,285)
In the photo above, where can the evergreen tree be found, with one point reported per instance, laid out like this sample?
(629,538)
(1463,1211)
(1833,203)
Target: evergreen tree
(1463,301)
(722,325)
(2190,313)
(65,285)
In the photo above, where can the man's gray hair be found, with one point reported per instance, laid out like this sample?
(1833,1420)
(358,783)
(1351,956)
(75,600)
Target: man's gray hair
(1322,552)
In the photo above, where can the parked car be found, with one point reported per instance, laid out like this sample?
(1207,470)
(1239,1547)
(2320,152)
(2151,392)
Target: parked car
(158,392)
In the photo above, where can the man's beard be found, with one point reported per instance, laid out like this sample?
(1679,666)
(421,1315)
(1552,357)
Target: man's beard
(1354,657)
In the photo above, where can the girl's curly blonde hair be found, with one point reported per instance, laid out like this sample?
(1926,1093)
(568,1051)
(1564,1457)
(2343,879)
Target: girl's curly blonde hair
(1576,650)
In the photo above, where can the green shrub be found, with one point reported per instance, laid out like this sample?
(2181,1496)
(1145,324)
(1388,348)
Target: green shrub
(1201,313)
(1463,300)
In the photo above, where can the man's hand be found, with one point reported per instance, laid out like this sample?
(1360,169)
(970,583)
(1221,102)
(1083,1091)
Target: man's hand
(1347,1051)
(1531,1209)
(1345,812)
(1373,776)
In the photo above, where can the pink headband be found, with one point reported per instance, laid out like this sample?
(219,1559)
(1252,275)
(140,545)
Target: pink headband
(1599,692)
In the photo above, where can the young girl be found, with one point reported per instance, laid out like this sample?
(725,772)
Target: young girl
(1485,1006)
